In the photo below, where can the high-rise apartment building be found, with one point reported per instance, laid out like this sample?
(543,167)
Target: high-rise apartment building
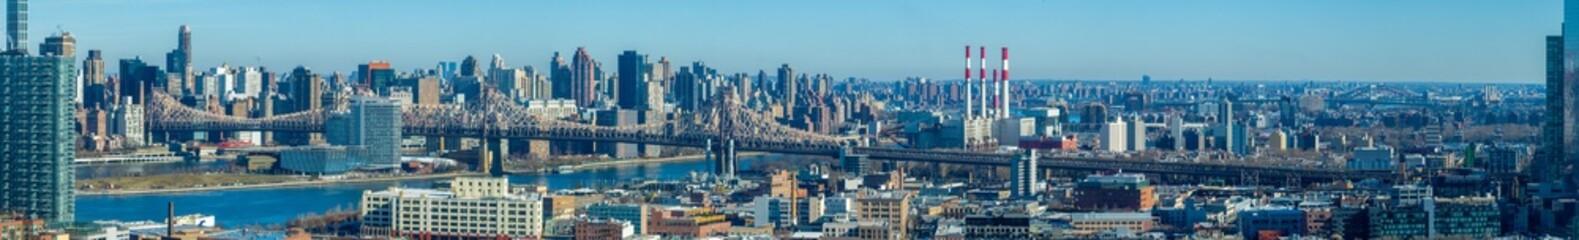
(1115,135)
(1137,134)
(248,83)
(93,68)
(37,146)
(306,94)
(693,86)
(426,90)
(1023,176)
(59,45)
(787,91)
(372,124)
(583,79)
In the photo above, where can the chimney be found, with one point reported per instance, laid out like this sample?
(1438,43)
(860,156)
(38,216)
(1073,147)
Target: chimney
(1003,87)
(16,26)
(982,73)
(969,112)
(170,219)
(994,92)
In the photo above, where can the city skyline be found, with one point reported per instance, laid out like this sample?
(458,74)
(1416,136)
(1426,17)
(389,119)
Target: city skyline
(1223,40)
(1298,141)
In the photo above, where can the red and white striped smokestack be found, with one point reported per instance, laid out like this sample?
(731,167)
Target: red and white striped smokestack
(969,111)
(1003,110)
(983,75)
(995,96)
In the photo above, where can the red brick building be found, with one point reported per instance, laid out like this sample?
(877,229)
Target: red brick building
(686,222)
(1123,191)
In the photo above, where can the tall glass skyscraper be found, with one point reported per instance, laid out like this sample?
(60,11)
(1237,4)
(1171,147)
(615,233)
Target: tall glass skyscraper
(1552,133)
(1570,132)
(36,146)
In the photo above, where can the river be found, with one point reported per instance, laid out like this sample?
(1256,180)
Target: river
(277,205)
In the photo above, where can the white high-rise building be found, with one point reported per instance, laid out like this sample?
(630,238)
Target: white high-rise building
(127,121)
(223,82)
(1114,136)
(249,82)
(472,207)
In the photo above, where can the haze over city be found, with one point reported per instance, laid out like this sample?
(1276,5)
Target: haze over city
(1444,41)
(863,120)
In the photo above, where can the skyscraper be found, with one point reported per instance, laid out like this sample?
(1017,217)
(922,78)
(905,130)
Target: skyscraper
(559,77)
(93,68)
(1557,118)
(137,79)
(1137,134)
(306,95)
(178,62)
(1228,134)
(59,45)
(16,27)
(37,176)
(1570,86)
(376,76)
(631,88)
(1023,177)
(787,84)
(583,78)
(686,90)
(469,67)
(94,90)
(1115,135)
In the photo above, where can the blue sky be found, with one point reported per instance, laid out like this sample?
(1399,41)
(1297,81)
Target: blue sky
(1449,40)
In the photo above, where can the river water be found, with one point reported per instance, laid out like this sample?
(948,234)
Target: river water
(244,207)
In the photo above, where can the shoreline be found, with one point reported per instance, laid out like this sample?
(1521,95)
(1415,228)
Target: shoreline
(291,184)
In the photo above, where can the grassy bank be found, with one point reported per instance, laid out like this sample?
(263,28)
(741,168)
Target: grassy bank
(289,181)
(180,181)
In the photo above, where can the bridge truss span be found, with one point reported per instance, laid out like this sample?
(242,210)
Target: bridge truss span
(165,113)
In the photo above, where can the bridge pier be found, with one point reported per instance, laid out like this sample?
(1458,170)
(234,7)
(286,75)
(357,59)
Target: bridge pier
(158,137)
(722,154)
(435,144)
(494,153)
(852,164)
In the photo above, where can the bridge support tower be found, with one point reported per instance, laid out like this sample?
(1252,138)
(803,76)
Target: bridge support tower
(494,153)
(723,156)
(852,164)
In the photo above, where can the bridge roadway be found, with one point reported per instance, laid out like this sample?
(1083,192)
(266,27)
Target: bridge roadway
(1223,171)
(495,118)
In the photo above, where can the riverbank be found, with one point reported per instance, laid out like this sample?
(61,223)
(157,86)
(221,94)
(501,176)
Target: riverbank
(300,183)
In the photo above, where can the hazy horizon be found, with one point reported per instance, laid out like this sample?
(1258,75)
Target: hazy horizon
(1404,41)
